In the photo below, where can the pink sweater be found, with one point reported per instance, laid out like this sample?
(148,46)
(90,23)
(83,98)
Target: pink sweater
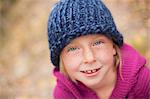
(136,83)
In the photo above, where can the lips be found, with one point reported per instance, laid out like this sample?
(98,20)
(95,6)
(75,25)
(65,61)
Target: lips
(91,71)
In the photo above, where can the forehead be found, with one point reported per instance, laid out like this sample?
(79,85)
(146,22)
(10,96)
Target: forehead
(88,38)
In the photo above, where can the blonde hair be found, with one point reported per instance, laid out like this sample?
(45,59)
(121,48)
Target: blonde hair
(117,62)
(62,67)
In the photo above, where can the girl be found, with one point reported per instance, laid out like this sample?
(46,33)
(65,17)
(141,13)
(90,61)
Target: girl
(90,58)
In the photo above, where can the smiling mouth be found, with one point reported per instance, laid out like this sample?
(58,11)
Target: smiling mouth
(91,71)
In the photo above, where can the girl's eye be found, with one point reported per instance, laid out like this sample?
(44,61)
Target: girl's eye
(97,43)
(72,49)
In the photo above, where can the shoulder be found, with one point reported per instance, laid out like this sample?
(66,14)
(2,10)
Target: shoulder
(132,62)
(65,88)
(142,87)
(136,75)
(62,92)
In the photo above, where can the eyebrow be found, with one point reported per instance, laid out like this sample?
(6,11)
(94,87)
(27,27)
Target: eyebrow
(98,38)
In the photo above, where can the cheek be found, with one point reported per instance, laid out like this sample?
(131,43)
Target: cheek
(72,62)
(105,56)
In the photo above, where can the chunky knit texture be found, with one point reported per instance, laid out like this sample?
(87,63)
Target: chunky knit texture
(136,83)
(73,18)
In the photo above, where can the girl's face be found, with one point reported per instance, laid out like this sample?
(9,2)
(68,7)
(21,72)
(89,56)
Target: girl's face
(89,59)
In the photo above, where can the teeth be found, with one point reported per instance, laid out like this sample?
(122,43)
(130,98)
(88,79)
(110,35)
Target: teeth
(90,71)
(94,70)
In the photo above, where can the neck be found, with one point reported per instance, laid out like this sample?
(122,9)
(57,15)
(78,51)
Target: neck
(107,85)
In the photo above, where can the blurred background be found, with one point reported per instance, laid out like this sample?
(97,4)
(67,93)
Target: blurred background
(25,69)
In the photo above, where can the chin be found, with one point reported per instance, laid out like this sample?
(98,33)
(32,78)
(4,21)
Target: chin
(92,83)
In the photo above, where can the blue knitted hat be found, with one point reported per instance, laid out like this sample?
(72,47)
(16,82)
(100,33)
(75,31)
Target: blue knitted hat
(73,18)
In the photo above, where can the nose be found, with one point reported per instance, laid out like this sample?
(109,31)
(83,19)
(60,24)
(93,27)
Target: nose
(88,56)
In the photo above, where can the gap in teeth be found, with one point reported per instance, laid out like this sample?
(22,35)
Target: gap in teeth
(91,71)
